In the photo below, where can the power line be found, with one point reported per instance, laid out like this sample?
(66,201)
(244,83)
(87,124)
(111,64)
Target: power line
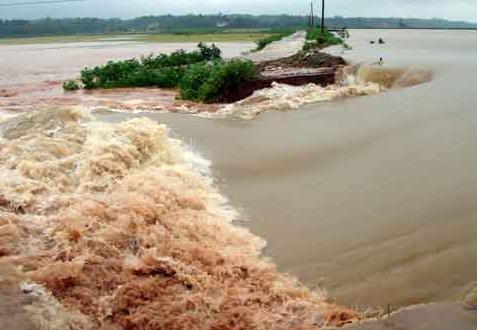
(32,3)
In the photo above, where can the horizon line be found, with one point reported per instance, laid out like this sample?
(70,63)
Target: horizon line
(219,14)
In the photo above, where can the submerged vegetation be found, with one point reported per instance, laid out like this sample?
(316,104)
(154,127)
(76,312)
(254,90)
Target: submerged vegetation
(315,37)
(201,75)
(70,85)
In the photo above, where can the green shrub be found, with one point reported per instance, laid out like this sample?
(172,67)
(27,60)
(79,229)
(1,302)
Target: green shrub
(226,76)
(70,85)
(90,77)
(323,38)
(207,82)
(211,53)
(160,71)
(201,75)
(193,79)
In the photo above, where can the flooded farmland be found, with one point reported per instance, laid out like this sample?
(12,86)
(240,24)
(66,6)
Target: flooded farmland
(372,199)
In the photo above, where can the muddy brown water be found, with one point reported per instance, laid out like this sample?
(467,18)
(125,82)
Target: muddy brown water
(59,61)
(372,198)
(32,75)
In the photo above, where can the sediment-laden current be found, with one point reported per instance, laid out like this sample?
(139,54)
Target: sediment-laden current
(122,225)
(371,198)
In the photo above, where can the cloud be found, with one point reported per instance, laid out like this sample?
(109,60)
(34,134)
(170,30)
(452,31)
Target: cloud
(449,9)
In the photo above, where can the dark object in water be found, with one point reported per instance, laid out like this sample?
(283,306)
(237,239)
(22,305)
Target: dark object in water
(372,42)
(381,41)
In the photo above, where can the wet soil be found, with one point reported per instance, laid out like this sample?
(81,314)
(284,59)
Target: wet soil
(305,67)
(313,58)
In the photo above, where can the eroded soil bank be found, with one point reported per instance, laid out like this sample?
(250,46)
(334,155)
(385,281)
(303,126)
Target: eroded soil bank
(303,68)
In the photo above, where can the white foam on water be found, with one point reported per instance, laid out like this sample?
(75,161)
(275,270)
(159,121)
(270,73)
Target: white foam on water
(282,97)
(123,224)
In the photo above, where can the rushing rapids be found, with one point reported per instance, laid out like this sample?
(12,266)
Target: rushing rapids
(286,97)
(120,226)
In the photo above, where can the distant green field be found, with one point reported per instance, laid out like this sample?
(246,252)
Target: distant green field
(206,37)
(54,39)
(229,36)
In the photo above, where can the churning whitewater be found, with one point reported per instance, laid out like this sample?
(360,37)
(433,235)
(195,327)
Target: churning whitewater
(358,80)
(120,226)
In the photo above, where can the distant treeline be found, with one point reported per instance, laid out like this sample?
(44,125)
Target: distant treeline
(204,23)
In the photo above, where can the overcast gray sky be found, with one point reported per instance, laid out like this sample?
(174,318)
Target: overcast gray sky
(449,9)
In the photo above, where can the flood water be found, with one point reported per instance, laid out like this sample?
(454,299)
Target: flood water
(60,61)
(374,198)
(32,75)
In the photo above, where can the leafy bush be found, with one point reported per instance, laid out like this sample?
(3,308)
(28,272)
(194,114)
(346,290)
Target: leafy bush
(161,70)
(193,79)
(323,38)
(225,76)
(207,82)
(209,53)
(201,75)
(70,85)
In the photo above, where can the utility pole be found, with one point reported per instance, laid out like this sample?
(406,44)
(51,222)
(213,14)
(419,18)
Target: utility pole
(323,16)
(312,17)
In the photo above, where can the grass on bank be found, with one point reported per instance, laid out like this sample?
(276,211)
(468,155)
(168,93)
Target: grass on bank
(315,37)
(57,39)
(264,42)
(201,75)
(207,37)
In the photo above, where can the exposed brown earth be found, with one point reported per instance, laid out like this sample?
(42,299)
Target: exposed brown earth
(312,58)
(290,76)
(305,67)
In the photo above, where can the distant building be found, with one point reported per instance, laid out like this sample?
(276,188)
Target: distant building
(223,21)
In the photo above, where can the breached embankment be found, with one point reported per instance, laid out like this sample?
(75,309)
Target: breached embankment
(302,68)
(349,81)
(354,80)
(119,226)
(283,97)
(312,76)
(306,77)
